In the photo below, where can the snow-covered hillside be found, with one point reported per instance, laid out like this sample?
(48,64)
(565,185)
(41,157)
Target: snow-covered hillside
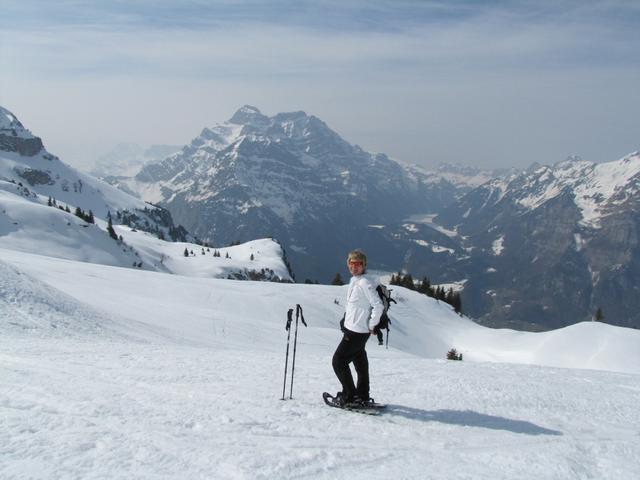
(28,170)
(29,225)
(41,173)
(124,373)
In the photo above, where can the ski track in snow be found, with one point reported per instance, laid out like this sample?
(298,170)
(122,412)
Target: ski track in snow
(113,373)
(92,408)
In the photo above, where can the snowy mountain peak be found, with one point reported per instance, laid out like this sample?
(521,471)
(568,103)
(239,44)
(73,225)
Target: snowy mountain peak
(572,159)
(248,115)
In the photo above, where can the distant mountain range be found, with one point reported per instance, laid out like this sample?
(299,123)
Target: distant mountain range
(532,249)
(551,245)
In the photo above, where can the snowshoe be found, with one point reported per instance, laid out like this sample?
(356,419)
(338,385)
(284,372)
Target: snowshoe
(337,401)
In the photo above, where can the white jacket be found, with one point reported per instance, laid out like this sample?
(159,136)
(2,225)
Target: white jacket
(364,306)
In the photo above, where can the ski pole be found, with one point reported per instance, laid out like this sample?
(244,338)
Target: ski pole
(286,358)
(299,315)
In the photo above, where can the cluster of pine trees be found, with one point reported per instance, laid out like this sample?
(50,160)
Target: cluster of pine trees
(86,216)
(425,287)
(53,203)
(216,253)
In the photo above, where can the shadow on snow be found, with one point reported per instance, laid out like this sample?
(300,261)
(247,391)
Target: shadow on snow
(469,418)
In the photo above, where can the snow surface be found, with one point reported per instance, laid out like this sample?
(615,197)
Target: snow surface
(68,185)
(114,372)
(498,245)
(28,225)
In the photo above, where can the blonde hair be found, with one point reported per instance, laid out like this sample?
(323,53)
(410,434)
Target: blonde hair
(357,255)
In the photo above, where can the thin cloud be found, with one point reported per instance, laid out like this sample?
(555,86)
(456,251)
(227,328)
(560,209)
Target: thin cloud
(394,76)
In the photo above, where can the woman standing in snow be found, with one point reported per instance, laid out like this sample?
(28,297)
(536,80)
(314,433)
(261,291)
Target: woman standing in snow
(362,314)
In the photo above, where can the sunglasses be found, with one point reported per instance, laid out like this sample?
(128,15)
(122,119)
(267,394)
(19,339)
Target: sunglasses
(355,262)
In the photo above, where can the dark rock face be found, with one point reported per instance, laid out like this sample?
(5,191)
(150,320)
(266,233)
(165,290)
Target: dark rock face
(15,138)
(36,177)
(27,147)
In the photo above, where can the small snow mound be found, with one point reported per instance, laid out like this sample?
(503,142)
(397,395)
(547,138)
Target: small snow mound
(28,305)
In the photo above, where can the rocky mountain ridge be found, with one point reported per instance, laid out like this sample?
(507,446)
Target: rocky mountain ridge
(552,245)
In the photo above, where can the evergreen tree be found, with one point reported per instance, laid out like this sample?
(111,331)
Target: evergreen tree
(425,287)
(252,257)
(90,218)
(449,296)
(457,305)
(407,282)
(453,355)
(186,252)
(337,280)
(112,232)
(49,202)
(599,317)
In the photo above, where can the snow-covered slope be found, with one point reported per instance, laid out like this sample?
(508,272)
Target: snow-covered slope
(32,227)
(121,373)
(28,170)
(422,326)
(260,259)
(46,175)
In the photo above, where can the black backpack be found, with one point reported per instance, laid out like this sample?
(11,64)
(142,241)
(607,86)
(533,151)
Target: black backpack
(385,296)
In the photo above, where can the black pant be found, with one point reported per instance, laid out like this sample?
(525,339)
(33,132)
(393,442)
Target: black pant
(351,349)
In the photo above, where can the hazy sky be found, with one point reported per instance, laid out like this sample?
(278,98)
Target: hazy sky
(495,83)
